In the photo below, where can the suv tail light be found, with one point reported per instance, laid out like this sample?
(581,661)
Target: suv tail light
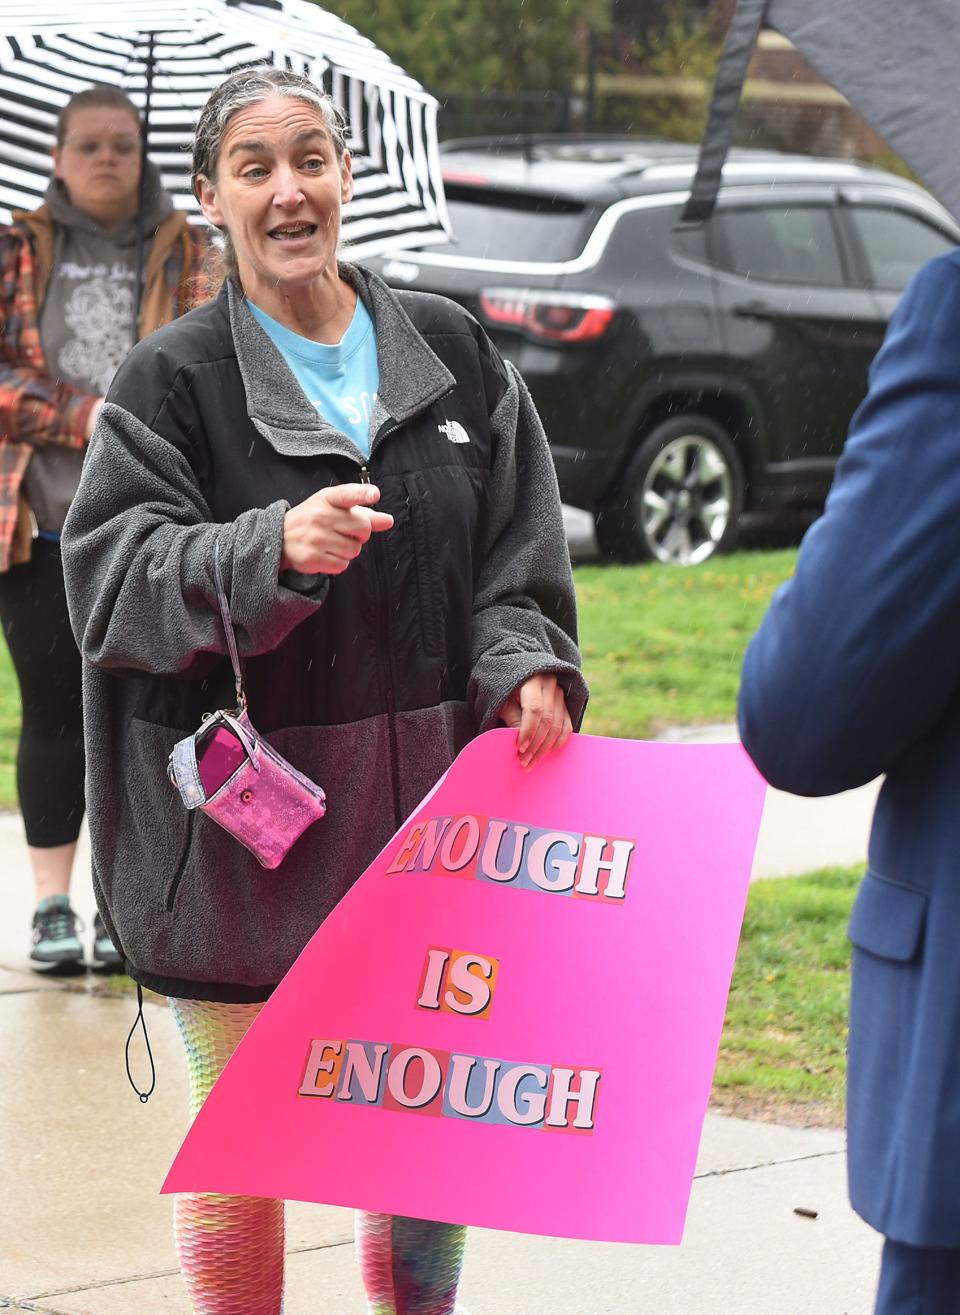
(548,316)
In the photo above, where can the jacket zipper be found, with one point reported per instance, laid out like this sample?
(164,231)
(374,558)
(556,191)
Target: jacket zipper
(386,671)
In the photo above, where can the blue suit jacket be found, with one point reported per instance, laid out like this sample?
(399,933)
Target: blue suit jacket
(854,672)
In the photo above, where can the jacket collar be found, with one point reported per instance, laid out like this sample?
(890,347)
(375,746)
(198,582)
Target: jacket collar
(412,376)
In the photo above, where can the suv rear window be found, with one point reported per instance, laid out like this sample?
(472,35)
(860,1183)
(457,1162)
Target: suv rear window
(780,244)
(507,226)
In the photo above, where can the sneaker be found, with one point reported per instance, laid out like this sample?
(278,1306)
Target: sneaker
(56,946)
(106,956)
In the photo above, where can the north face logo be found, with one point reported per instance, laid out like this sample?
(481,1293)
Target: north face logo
(454,431)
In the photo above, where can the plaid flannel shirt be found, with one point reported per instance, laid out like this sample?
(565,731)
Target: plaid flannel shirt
(36,409)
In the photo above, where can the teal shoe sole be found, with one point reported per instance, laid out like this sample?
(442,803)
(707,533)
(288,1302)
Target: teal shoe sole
(58,967)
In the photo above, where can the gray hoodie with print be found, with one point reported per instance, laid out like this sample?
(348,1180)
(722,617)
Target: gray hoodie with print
(86,324)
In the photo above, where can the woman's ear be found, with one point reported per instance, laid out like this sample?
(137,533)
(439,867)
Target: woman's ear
(57,153)
(346,178)
(209,205)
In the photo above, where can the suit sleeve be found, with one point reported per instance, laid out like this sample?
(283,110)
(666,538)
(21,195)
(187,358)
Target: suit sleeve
(859,653)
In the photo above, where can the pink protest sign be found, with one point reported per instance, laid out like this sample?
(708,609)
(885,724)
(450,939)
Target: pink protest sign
(512,1019)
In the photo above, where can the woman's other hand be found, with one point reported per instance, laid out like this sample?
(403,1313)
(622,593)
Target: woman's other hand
(539,708)
(324,534)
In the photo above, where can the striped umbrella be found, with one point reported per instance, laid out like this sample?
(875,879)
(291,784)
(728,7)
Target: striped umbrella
(168,57)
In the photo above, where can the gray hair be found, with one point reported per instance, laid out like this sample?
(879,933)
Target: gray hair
(241,90)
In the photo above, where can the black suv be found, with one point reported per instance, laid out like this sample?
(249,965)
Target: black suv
(683,375)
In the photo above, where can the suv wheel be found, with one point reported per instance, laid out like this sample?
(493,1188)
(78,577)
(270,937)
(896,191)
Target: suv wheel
(681,497)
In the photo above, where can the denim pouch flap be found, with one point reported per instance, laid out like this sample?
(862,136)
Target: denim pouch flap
(888,919)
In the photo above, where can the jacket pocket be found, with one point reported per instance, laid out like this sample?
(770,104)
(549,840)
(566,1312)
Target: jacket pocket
(154,838)
(425,566)
(888,919)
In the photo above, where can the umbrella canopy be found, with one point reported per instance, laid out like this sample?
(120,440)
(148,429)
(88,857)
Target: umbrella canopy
(895,62)
(168,57)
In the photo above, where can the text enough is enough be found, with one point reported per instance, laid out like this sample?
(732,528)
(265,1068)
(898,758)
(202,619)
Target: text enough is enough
(445,1083)
(512,854)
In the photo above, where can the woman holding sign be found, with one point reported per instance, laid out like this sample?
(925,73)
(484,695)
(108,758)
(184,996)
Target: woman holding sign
(375,485)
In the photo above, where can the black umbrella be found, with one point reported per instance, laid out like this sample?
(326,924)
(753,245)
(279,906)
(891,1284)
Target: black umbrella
(894,60)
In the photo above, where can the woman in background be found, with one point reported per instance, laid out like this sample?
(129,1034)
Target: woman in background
(67,290)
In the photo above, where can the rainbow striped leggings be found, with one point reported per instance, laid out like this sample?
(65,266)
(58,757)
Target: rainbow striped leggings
(231,1247)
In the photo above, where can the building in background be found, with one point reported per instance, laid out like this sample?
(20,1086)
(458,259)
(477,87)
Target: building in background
(646,68)
(788,105)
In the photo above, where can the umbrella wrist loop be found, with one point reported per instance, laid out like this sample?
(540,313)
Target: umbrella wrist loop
(718,137)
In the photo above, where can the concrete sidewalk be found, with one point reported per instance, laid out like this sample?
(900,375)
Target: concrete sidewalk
(83,1230)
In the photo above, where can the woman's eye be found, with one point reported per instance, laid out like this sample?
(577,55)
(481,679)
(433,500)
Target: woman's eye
(91,147)
(314,164)
(255,171)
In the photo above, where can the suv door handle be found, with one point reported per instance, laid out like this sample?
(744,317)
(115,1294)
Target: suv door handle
(758,310)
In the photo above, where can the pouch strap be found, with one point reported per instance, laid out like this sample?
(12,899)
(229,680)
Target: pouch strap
(228,630)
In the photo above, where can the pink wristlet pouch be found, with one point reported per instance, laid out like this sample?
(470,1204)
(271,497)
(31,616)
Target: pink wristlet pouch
(231,773)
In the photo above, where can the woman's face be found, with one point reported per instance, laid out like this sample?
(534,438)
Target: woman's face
(278,193)
(99,163)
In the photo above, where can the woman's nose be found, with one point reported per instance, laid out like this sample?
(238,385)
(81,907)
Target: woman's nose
(288,191)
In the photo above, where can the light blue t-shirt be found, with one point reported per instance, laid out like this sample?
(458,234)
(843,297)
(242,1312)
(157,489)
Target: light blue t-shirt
(339,379)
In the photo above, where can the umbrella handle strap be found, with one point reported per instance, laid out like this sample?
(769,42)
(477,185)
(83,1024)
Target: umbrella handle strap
(727,90)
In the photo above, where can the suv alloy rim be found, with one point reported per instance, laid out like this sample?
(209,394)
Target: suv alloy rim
(685,500)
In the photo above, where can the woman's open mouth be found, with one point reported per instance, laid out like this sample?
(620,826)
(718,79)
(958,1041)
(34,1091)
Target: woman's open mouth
(292,234)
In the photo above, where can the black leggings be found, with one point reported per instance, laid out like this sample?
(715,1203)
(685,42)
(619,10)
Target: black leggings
(50,763)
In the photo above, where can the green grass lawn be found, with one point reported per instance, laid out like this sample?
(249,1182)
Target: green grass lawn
(9,728)
(662,646)
(783,1052)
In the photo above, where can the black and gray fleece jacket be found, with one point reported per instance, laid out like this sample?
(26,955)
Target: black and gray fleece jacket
(370,681)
